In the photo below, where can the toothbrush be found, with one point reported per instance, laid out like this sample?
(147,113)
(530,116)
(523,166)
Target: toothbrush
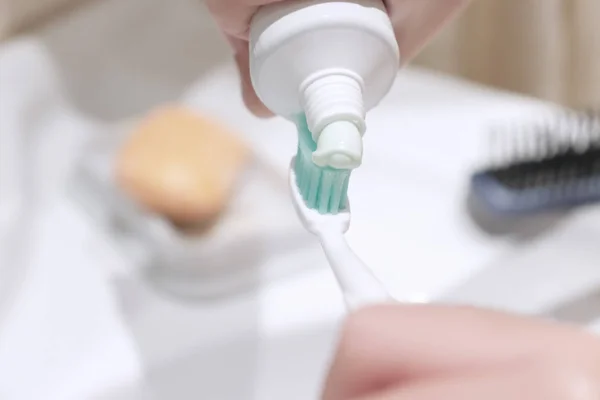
(359,286)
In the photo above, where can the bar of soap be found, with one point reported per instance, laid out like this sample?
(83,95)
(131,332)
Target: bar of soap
(181,165)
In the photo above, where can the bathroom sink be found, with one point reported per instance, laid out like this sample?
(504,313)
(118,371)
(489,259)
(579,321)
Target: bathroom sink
(287,366)
(276,345)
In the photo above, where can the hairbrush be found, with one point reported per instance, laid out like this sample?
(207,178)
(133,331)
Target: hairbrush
(542,167)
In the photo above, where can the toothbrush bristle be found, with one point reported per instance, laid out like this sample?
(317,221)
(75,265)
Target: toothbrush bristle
(323,189)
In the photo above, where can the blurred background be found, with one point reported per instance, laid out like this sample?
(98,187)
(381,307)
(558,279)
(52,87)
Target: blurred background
(548,49)
(545,48)
(113,288)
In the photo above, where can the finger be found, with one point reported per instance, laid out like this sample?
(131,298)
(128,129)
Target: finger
(251,100)
(416,21)
(396,343)
(532,381)
(234,16)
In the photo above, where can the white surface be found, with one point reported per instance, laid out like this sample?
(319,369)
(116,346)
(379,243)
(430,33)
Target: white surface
(408,201)
(74,332)
(58,322)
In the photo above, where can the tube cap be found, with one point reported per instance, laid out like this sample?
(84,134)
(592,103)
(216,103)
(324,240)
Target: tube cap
(339,146)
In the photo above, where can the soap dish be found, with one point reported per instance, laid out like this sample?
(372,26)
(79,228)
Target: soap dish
(257,239)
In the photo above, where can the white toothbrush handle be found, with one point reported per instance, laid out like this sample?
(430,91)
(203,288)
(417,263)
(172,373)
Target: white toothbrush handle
(359,286)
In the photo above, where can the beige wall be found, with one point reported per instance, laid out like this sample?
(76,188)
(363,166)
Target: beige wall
(546,48)
(18,14)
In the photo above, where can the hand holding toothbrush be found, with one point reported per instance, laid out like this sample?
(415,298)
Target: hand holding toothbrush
(415,22)
(399,352)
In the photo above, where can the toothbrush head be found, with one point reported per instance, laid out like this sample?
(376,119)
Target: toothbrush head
(323,188)
(313,221)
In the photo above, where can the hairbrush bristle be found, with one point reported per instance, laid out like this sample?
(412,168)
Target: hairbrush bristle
(549,164)
(555,135)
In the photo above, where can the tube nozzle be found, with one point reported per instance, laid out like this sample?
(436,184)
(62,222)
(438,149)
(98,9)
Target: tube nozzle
(339,146)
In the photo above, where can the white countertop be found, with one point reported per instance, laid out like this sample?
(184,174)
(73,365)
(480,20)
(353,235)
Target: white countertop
(79,332)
